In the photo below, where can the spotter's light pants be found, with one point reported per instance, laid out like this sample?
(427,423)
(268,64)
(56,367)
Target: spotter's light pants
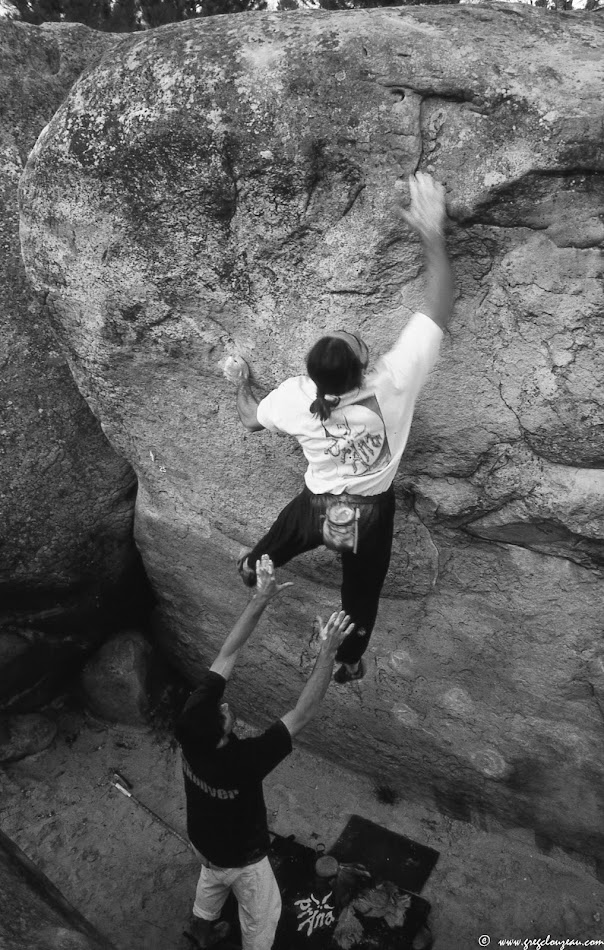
(257,894)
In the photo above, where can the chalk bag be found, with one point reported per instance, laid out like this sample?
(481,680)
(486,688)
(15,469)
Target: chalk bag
(341,527)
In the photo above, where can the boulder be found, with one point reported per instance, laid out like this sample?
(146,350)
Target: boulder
(114,680)
(23,735)
(66,497)
(232,184)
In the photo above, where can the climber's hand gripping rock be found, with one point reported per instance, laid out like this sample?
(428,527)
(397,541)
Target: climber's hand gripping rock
(236,370)
(427,212)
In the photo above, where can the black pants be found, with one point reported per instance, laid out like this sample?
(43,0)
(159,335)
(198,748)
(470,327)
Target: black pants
(299,528)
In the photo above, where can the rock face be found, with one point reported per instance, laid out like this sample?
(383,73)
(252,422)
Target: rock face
(66,498)
(25,735)
(40,918)
(231,184)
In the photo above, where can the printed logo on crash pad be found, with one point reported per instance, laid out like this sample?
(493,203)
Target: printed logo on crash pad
(315,913)
(357,439)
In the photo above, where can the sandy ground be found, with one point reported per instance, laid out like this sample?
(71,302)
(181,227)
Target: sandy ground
(135,881)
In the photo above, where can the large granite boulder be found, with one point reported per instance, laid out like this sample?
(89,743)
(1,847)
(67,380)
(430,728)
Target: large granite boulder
(66,497)
(231,184)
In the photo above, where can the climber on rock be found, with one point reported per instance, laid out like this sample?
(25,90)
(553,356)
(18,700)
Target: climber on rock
(226,813)
(353,426)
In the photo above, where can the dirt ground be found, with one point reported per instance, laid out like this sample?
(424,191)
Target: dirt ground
(135,881)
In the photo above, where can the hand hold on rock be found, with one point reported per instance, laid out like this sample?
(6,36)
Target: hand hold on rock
(236,369)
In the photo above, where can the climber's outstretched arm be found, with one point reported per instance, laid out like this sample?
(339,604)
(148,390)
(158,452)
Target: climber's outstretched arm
(237,370)
(427,216)
(247,405)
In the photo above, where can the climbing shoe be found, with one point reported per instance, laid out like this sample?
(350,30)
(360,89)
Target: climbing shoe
(205,933)
(345,675)
(247,574)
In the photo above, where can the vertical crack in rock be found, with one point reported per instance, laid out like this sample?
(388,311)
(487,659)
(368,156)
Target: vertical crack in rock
(54,56)
(597,698)
(512,410)
(358,190)
(413,498)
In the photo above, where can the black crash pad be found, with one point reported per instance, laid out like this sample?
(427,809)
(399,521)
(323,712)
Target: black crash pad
(387,855)
(311,910)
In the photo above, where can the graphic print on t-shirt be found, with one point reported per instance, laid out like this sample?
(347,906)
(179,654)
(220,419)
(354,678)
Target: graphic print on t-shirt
(208,789)
(357,439)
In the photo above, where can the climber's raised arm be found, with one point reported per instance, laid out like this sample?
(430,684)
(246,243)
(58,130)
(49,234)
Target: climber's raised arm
(238,372)
(427,216)
(247,405)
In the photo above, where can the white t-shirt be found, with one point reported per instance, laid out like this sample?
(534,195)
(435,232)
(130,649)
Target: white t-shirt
(358,449)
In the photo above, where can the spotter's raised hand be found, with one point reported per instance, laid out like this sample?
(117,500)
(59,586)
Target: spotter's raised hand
(335,630)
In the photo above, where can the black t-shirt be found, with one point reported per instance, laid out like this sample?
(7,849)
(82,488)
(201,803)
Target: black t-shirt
(226,813)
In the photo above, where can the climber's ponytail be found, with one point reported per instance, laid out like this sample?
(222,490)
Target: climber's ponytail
(323,406)
(335,369)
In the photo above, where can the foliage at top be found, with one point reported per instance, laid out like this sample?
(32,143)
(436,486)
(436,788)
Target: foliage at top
(118,16)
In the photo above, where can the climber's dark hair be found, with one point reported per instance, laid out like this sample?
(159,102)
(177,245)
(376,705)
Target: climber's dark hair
(335,369)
